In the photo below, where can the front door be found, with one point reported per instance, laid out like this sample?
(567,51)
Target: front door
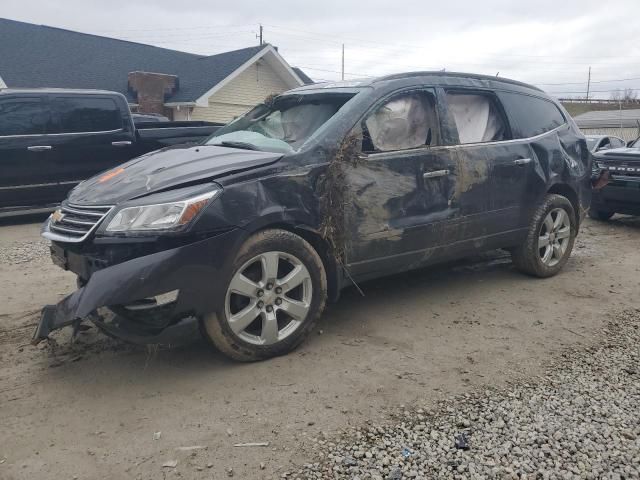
(401,189)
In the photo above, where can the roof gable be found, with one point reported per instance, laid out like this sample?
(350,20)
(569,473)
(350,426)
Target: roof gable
(40,56)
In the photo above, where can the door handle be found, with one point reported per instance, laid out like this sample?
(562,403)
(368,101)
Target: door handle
(522,161)
(39,148)
(122,143)
(436,174)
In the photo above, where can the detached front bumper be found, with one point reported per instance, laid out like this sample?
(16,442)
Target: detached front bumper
(195,270)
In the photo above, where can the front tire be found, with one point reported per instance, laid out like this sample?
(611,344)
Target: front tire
(275,295)
(550,238)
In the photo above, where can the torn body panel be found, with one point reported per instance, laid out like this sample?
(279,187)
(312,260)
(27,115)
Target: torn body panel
(188,269)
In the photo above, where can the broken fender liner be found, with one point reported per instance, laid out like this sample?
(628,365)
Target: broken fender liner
(196,270)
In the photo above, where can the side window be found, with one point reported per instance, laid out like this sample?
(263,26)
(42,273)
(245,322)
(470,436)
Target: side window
(406,121)
(532,115)
(617,142)
(477,117)
(86,114)
(23,116)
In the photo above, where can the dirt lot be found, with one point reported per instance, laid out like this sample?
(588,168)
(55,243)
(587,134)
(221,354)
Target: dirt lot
(92,409)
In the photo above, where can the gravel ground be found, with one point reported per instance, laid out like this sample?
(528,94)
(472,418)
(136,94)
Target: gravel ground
(580,420)
(24,252)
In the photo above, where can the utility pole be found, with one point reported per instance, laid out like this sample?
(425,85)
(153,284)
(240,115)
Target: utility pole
(343,61)
(260,35)
(588,83)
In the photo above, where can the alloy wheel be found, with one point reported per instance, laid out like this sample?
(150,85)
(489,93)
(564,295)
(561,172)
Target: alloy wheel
(554,237)
(268,298)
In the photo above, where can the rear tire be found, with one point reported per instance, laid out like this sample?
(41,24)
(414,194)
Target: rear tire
(601,215)
(275,295)
(550,238)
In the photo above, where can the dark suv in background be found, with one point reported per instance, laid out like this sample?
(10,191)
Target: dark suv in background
(621,193)
(248,234)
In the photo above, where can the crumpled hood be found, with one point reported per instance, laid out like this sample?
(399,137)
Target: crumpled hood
(167,168)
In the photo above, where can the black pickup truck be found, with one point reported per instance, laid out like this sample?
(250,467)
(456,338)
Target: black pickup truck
(51,139)
(622,192)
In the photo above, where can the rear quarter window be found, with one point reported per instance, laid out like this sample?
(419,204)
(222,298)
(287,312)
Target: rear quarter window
(86,114)
(531,115)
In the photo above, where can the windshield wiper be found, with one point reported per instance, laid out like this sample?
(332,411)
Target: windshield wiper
(243,145)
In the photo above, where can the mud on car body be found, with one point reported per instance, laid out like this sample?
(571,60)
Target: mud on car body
(249,234)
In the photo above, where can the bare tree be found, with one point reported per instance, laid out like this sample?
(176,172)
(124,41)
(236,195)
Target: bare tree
(629,95)
(626,95)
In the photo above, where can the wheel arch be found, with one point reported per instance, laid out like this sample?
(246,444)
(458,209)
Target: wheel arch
(320,245)
(570,194)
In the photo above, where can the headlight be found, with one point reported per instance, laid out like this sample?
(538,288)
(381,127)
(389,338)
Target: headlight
(163,216)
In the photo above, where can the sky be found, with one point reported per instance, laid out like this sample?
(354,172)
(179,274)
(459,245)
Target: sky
(548,43)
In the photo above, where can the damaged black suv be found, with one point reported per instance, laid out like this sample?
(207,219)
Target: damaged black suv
(247,235)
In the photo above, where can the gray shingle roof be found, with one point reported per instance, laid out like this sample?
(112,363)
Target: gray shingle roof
(608,118)
(40,56)
(306,79)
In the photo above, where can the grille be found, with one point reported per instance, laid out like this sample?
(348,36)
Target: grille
(74,223)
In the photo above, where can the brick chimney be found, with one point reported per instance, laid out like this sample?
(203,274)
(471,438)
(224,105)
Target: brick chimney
(151,90)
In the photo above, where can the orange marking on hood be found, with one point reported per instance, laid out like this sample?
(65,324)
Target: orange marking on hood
(111,174)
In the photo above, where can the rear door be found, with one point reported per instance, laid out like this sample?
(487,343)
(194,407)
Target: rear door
(400,190)
(493,167)
(25,150)
(92,134)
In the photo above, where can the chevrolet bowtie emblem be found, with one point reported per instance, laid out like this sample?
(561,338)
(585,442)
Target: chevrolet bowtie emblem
(57,216)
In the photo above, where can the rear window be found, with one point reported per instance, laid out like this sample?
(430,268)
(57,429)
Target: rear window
(78,114)
(477,118)
(23,116)
(532,115)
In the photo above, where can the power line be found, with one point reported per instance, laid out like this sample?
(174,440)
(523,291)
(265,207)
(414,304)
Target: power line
(596,91)
(187,36)
(172,36)
(208,27)
(309,33)
(339,72)
(539,84)
(592,81)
